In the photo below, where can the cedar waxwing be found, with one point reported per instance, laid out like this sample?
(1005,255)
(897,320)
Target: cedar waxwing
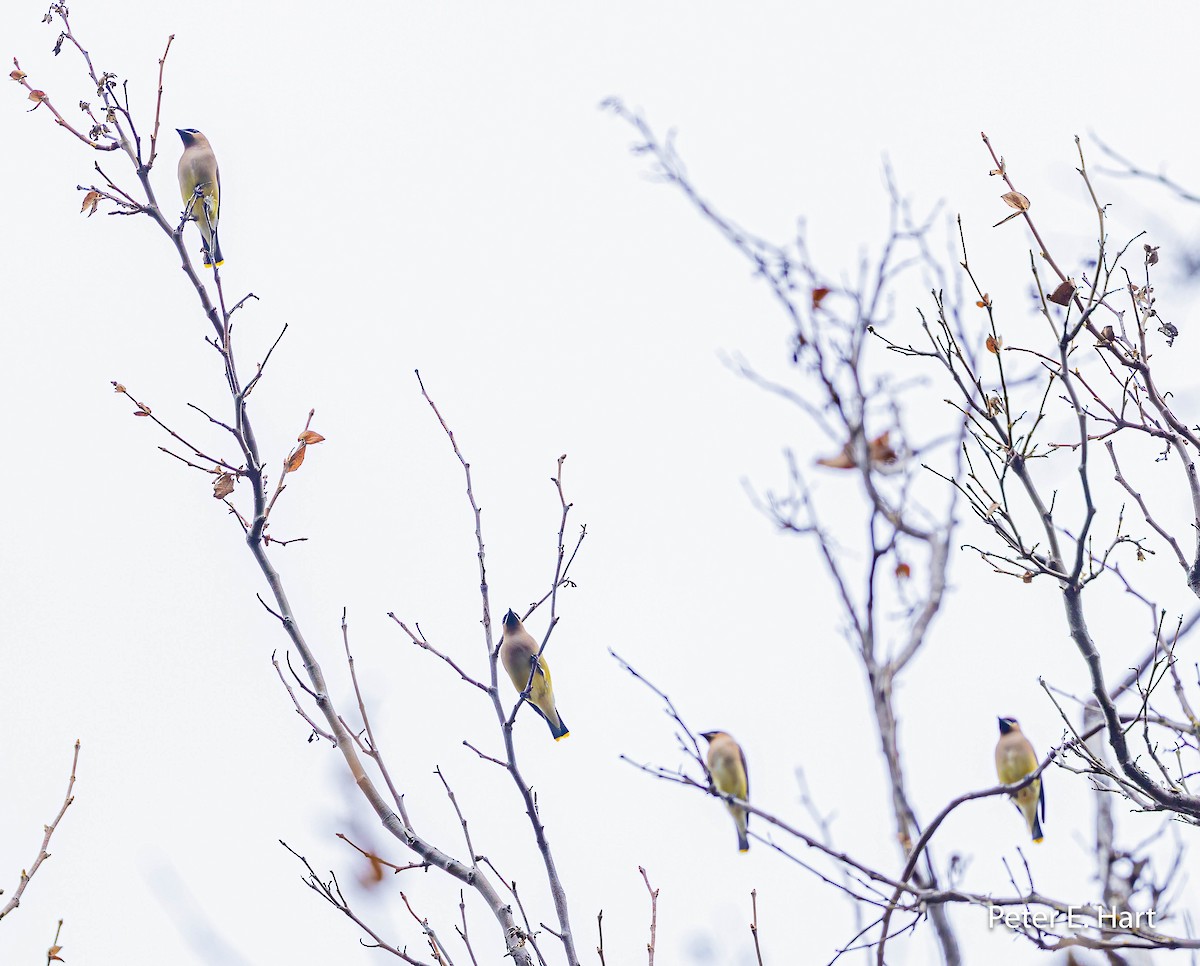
(1015,759)
(727,765)
(518,651)
(198,168)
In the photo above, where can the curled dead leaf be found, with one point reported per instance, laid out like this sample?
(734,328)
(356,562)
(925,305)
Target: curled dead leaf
(879,451)
(373,874)
(223,486)
(52,954)
(37,97)
(994,344)
(903,571)
(17,75)
(1014,199)
(818,296)
(1027,577)
(145,410)
(117,387)
(90,200)
(985,301)
(843,461)
(1151,254)
(1140,555)
(1063,294)
(295,459)
(310,438)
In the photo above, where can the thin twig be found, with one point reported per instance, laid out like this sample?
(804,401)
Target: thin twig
(15,900)
(754,925)
(653,917)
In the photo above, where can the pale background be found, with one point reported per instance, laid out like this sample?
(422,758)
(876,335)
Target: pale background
(433,186)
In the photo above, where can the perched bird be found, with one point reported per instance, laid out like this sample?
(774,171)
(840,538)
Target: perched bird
(1015,759)
(727,765)
(519,653)
(198,169)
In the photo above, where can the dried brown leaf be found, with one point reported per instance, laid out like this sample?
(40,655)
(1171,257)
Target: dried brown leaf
(903,571)
(373,875)
(818,296)
(843,461)
(1063,294)
(295,459)
(310,438)
(223,486)
(994,343)
(880,450)
(90,200)
(1014,199)
(17,75)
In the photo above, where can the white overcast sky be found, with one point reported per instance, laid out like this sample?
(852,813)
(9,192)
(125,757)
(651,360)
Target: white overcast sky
(432,186)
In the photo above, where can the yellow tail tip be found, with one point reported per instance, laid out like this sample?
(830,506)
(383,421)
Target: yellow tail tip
(565,734)
(1038,841)
(745,850)
(210,264)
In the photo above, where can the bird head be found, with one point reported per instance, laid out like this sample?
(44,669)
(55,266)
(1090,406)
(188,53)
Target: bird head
(1007,725)
(190,136)
(710,735)
(511,621)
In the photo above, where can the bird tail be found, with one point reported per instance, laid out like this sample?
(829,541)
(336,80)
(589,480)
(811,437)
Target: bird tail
(1035,828)
(741,817)
(215,249)
(561,731)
